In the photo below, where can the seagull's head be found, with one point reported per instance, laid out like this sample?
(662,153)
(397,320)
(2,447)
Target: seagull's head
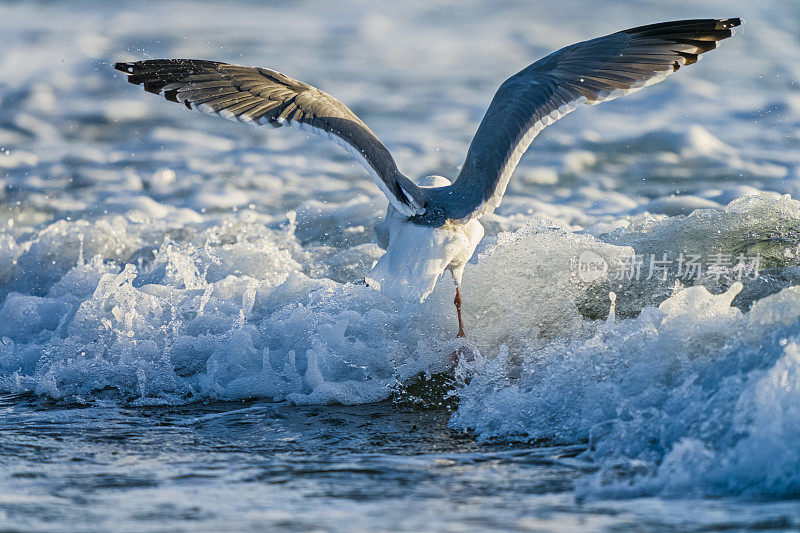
(433,181)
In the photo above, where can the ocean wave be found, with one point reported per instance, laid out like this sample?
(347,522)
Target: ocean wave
(148,256)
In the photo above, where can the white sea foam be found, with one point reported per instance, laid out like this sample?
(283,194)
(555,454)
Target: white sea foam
(154,256)
(677,399)
(692,397)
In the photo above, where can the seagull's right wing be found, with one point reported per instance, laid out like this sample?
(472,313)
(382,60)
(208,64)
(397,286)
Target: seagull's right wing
(589,72)
(263,96)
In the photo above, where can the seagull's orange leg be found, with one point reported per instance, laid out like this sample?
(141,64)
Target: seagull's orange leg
(463,350)
(457,301)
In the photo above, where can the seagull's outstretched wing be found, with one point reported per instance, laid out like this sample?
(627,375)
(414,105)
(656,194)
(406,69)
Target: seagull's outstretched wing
(263,96)
(585,73)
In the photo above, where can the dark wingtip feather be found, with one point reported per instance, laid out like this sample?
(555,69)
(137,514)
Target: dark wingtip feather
(155,74)
(124,67)
(690,59)
(701,34)
(730,23)
(691,25)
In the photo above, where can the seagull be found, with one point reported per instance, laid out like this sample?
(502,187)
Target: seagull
(434,225)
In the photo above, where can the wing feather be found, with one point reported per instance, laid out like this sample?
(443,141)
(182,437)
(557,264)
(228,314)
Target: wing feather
(264,96)
(590,72)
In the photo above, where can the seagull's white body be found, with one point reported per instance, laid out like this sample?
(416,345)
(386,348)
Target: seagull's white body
(417,255)
(433,226)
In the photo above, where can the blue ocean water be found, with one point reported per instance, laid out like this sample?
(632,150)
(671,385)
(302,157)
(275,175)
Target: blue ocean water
(185,343)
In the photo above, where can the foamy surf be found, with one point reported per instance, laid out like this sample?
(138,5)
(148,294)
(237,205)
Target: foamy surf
(155,265)
(691,384)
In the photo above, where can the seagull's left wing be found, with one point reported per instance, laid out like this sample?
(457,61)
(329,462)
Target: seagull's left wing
(264,96)
(585,73)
